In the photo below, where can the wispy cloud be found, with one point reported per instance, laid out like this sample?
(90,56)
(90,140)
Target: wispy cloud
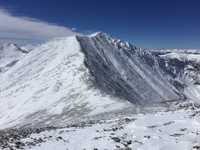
(22,30)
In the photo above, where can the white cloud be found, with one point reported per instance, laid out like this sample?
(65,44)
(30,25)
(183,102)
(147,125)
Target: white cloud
(73,29)
(23,30)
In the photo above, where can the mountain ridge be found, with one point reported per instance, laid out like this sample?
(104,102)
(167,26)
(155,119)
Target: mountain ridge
(46,84)
(73,77)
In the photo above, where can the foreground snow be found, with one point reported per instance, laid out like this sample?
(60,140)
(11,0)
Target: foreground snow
(176,127)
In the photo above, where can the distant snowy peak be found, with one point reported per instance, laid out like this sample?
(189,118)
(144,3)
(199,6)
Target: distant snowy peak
(8,47)
(188,51)
(10,53)
(188,56)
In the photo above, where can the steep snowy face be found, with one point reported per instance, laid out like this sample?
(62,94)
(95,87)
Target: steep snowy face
(122,70)
(51,85)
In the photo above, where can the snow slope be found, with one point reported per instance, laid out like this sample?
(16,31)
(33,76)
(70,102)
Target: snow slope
(163,130)
(51,85)
(74,77)
(169,129)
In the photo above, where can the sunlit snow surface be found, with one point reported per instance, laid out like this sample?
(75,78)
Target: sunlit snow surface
(167,129)
(51,85)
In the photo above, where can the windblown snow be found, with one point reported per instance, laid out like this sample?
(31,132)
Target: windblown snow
(49,85)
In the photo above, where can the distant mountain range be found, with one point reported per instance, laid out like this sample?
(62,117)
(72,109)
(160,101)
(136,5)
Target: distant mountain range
(72,77)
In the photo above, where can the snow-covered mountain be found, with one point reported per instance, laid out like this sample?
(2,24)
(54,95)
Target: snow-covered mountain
(72,77)
(183,67)
(50,85)
(9,55)
(122,70)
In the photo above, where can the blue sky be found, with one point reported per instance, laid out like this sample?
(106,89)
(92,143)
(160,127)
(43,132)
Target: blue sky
(158,24)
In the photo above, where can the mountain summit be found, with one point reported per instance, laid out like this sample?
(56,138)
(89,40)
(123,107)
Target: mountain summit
(73,77)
